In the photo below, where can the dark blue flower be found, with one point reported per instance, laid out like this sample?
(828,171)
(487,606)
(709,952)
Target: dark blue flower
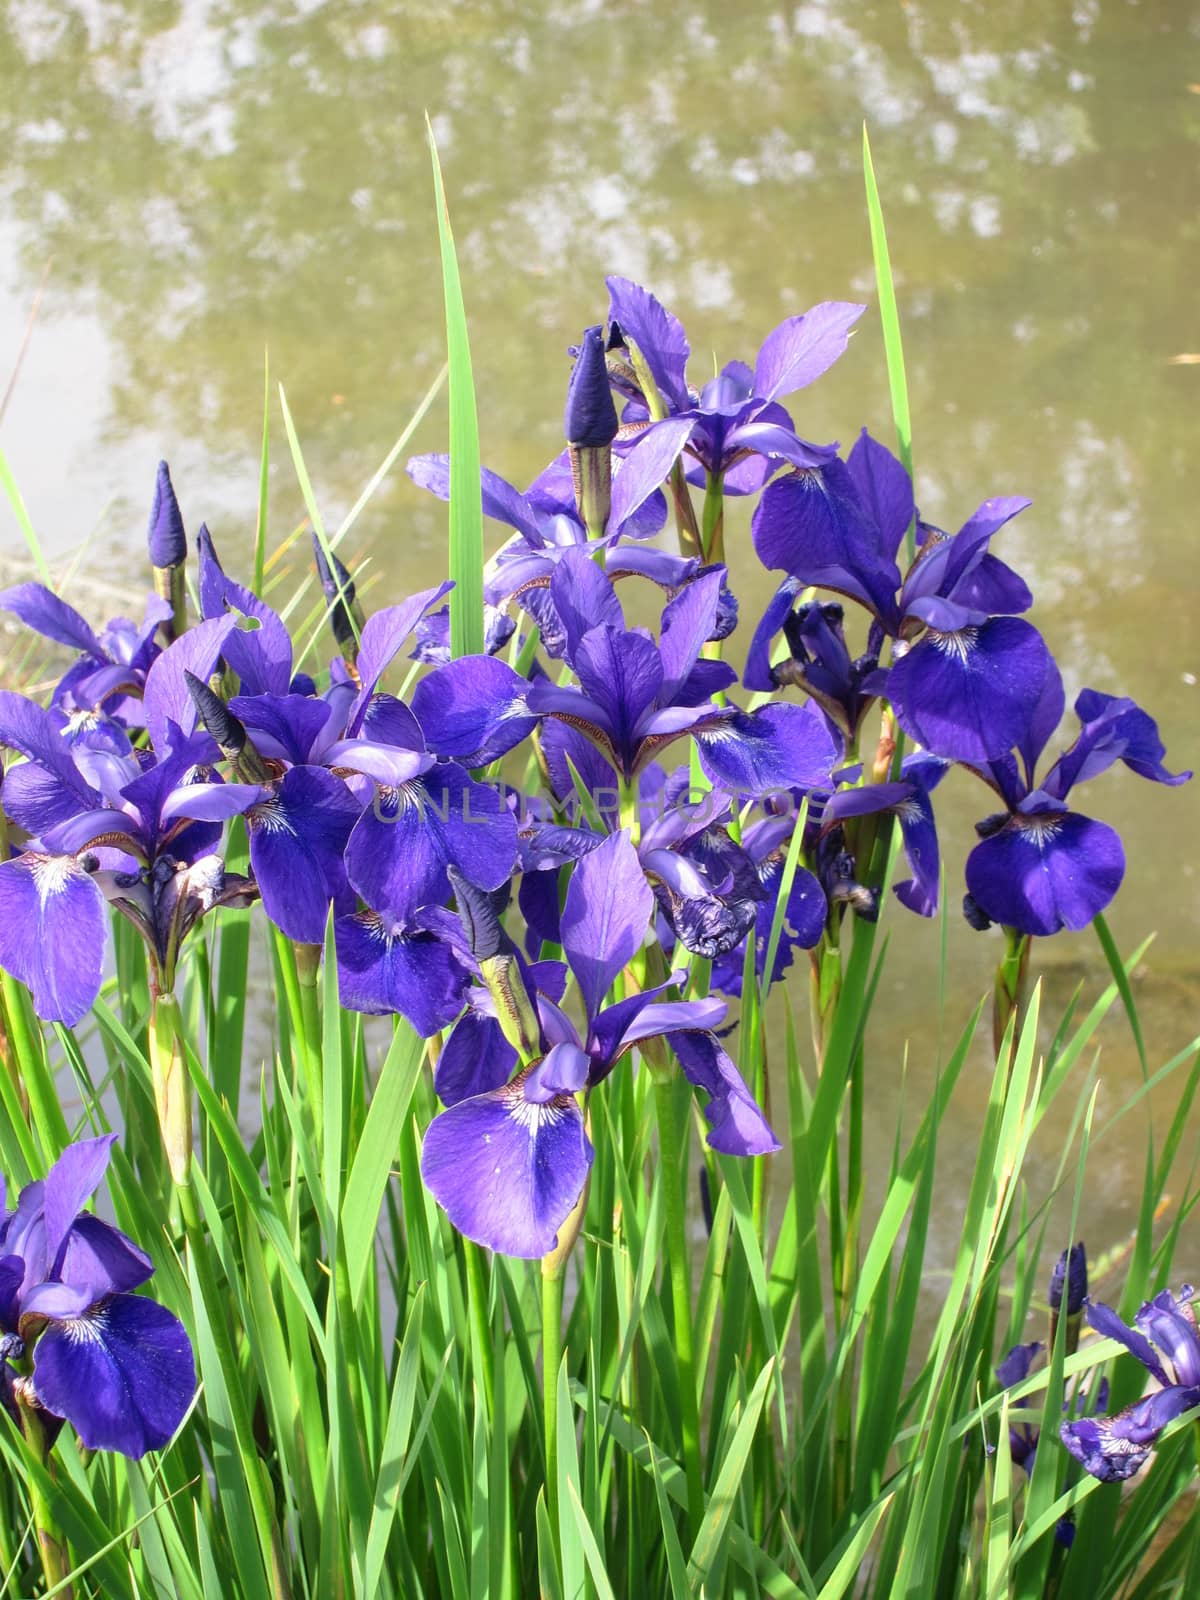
(116,1365)
(1039,866)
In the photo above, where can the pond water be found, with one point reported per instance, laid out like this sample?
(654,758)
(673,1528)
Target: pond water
(196,182)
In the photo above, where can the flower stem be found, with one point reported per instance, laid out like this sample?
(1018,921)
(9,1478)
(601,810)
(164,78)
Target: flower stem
(52,1547)
(552,1352)
(672,1153)
(1012,978)
(713,525)
(477,1299)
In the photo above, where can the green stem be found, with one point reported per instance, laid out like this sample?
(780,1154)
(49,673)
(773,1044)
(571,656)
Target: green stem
(672,1154)
(552,1352)
(477,1297)
(1012,976)
(713,524)
(52,1546)
(308,961)
(28,1049)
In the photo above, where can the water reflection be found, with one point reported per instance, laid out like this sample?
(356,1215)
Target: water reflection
(211,178)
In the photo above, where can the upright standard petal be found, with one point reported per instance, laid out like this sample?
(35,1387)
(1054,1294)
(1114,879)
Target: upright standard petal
(884,490)
(52,933)
(507,1170)
(384,635)
(605,916)
(658,335)
(70,1184)
(1114,729)
(165,699)
(800,349)
(122,1374)
(645,468)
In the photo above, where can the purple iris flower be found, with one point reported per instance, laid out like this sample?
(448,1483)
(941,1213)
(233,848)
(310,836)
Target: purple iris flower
(110,673)
(734,428)
(547,525)
(115,1365)
(635,696)
(966,670)
(765,842)
(1165,1340)
(1039,866)
(508,1159)
(139,828)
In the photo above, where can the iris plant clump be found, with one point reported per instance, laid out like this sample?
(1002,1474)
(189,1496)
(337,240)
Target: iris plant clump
(576,850)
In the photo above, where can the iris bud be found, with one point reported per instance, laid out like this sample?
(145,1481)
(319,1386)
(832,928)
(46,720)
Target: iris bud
(345,615)
(168,549)
(228,731)
(590,423)
(499,965)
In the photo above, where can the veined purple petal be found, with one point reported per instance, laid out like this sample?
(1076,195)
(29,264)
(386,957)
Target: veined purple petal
(778,747)
(811,525)
(1109,1325)
(622,672)
(658,335)
(644,470)
(52,933)
(507,1170)
(738,1127)
(473,709)
(386,968)
(388,764)
(1043,719)
(776,443)
(475,1058)
(285,727)
(801,348)
(397,854)
(122,1374)
(42,610)
(1047,871)
(970,695)
(384,635)
(211,802)
(884,491)
(165,698)
(605,916)
(298,835)
(34,732)
(1114,1448)
(993,587)
(583,597)
(99,1260)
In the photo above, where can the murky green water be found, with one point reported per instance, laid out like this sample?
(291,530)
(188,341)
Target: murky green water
(205,180)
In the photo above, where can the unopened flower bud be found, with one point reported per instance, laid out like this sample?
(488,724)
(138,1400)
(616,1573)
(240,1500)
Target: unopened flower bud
(228,731)
(168,550)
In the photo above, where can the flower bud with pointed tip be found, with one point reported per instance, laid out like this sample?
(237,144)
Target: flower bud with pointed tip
(499,965)
(1070,1274)
(341,597)
(165,536)
(228,731)
(590,419)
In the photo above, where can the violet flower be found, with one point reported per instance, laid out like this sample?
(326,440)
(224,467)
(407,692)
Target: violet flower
(1165,1340)
(1041,867)
(509,1158)
(967,671)
(115,1365)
